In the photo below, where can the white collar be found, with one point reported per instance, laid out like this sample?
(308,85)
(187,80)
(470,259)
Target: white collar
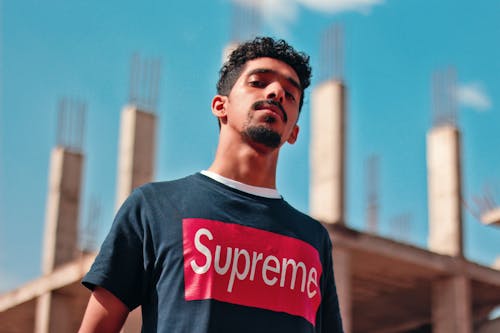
(255,190)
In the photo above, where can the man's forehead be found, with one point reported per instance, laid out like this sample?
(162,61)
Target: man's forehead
(271,65)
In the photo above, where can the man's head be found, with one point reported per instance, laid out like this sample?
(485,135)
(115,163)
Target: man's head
(264,47)
(261,91)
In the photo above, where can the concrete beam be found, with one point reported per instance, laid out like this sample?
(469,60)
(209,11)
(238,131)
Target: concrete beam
(433,264)
(59,278)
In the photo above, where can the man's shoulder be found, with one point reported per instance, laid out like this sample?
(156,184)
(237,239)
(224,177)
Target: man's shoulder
(169,185)
(301,215)
(313,227)
(190,189)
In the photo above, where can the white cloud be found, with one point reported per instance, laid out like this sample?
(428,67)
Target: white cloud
(278,14)
(337,6)
(474,96)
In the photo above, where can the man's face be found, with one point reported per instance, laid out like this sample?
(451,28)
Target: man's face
(263,104)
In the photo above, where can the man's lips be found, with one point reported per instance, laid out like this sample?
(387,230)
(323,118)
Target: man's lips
(273,106)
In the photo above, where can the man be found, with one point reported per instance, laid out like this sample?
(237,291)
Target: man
(220,250)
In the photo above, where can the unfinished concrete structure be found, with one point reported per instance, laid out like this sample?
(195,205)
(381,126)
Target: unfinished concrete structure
(328,138)
(136,159)
(56,302)
(60,244)
(136,151)
(383,285)
(445,192)
(444,175)
(327,179)
(327,200)
(137,145)
(61,234)
(327,160)
(137,142)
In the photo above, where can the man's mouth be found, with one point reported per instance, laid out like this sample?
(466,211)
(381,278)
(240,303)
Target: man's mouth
(273,106)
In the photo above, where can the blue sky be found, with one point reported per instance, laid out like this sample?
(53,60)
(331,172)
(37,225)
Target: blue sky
(54,49)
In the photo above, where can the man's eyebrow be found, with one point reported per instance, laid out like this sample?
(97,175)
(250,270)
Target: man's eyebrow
(272,71)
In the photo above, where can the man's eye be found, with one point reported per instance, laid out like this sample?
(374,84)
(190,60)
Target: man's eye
(289,96)
(257,83)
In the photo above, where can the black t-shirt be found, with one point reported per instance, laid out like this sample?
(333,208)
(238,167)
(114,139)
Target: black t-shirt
(199,256)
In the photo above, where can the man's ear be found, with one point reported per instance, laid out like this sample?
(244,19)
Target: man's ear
(219,106)
(293,136)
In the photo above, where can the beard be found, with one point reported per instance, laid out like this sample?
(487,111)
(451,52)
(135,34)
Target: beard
(262,135)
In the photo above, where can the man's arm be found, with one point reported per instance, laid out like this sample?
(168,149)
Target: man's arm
(105,313)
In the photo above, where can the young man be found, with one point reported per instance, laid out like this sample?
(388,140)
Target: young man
(221,251)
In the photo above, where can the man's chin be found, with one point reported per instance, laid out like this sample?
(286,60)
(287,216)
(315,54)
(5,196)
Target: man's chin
(263,135)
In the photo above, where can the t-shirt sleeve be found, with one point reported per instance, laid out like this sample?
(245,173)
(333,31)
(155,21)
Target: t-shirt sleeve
(330,317)
(122,263)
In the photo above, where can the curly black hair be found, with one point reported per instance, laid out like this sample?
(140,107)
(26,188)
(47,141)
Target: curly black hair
(261,47)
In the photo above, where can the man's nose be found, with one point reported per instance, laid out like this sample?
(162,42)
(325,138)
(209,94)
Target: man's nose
(275,92)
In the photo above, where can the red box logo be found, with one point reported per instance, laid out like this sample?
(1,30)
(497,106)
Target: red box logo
(251,267)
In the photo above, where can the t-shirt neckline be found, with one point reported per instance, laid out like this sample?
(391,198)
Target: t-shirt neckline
(265,192)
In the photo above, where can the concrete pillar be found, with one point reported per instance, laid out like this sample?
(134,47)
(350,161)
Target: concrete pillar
(451,305)
(61,236)
(63,206)
(55,313)
(444,191)
(327,183)
(136,157)
(42,317)
(342,270)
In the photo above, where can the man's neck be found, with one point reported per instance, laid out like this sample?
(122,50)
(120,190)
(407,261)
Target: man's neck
(252,165)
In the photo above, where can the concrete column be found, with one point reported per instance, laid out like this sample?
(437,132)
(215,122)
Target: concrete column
(63,205)
(327,183)
(57,313)
(136,159)
(342,270)
(451,305)
(42,317)
(61,235)
(136,155)
(444,191)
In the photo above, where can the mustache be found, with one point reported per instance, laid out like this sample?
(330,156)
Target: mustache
(263,103)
